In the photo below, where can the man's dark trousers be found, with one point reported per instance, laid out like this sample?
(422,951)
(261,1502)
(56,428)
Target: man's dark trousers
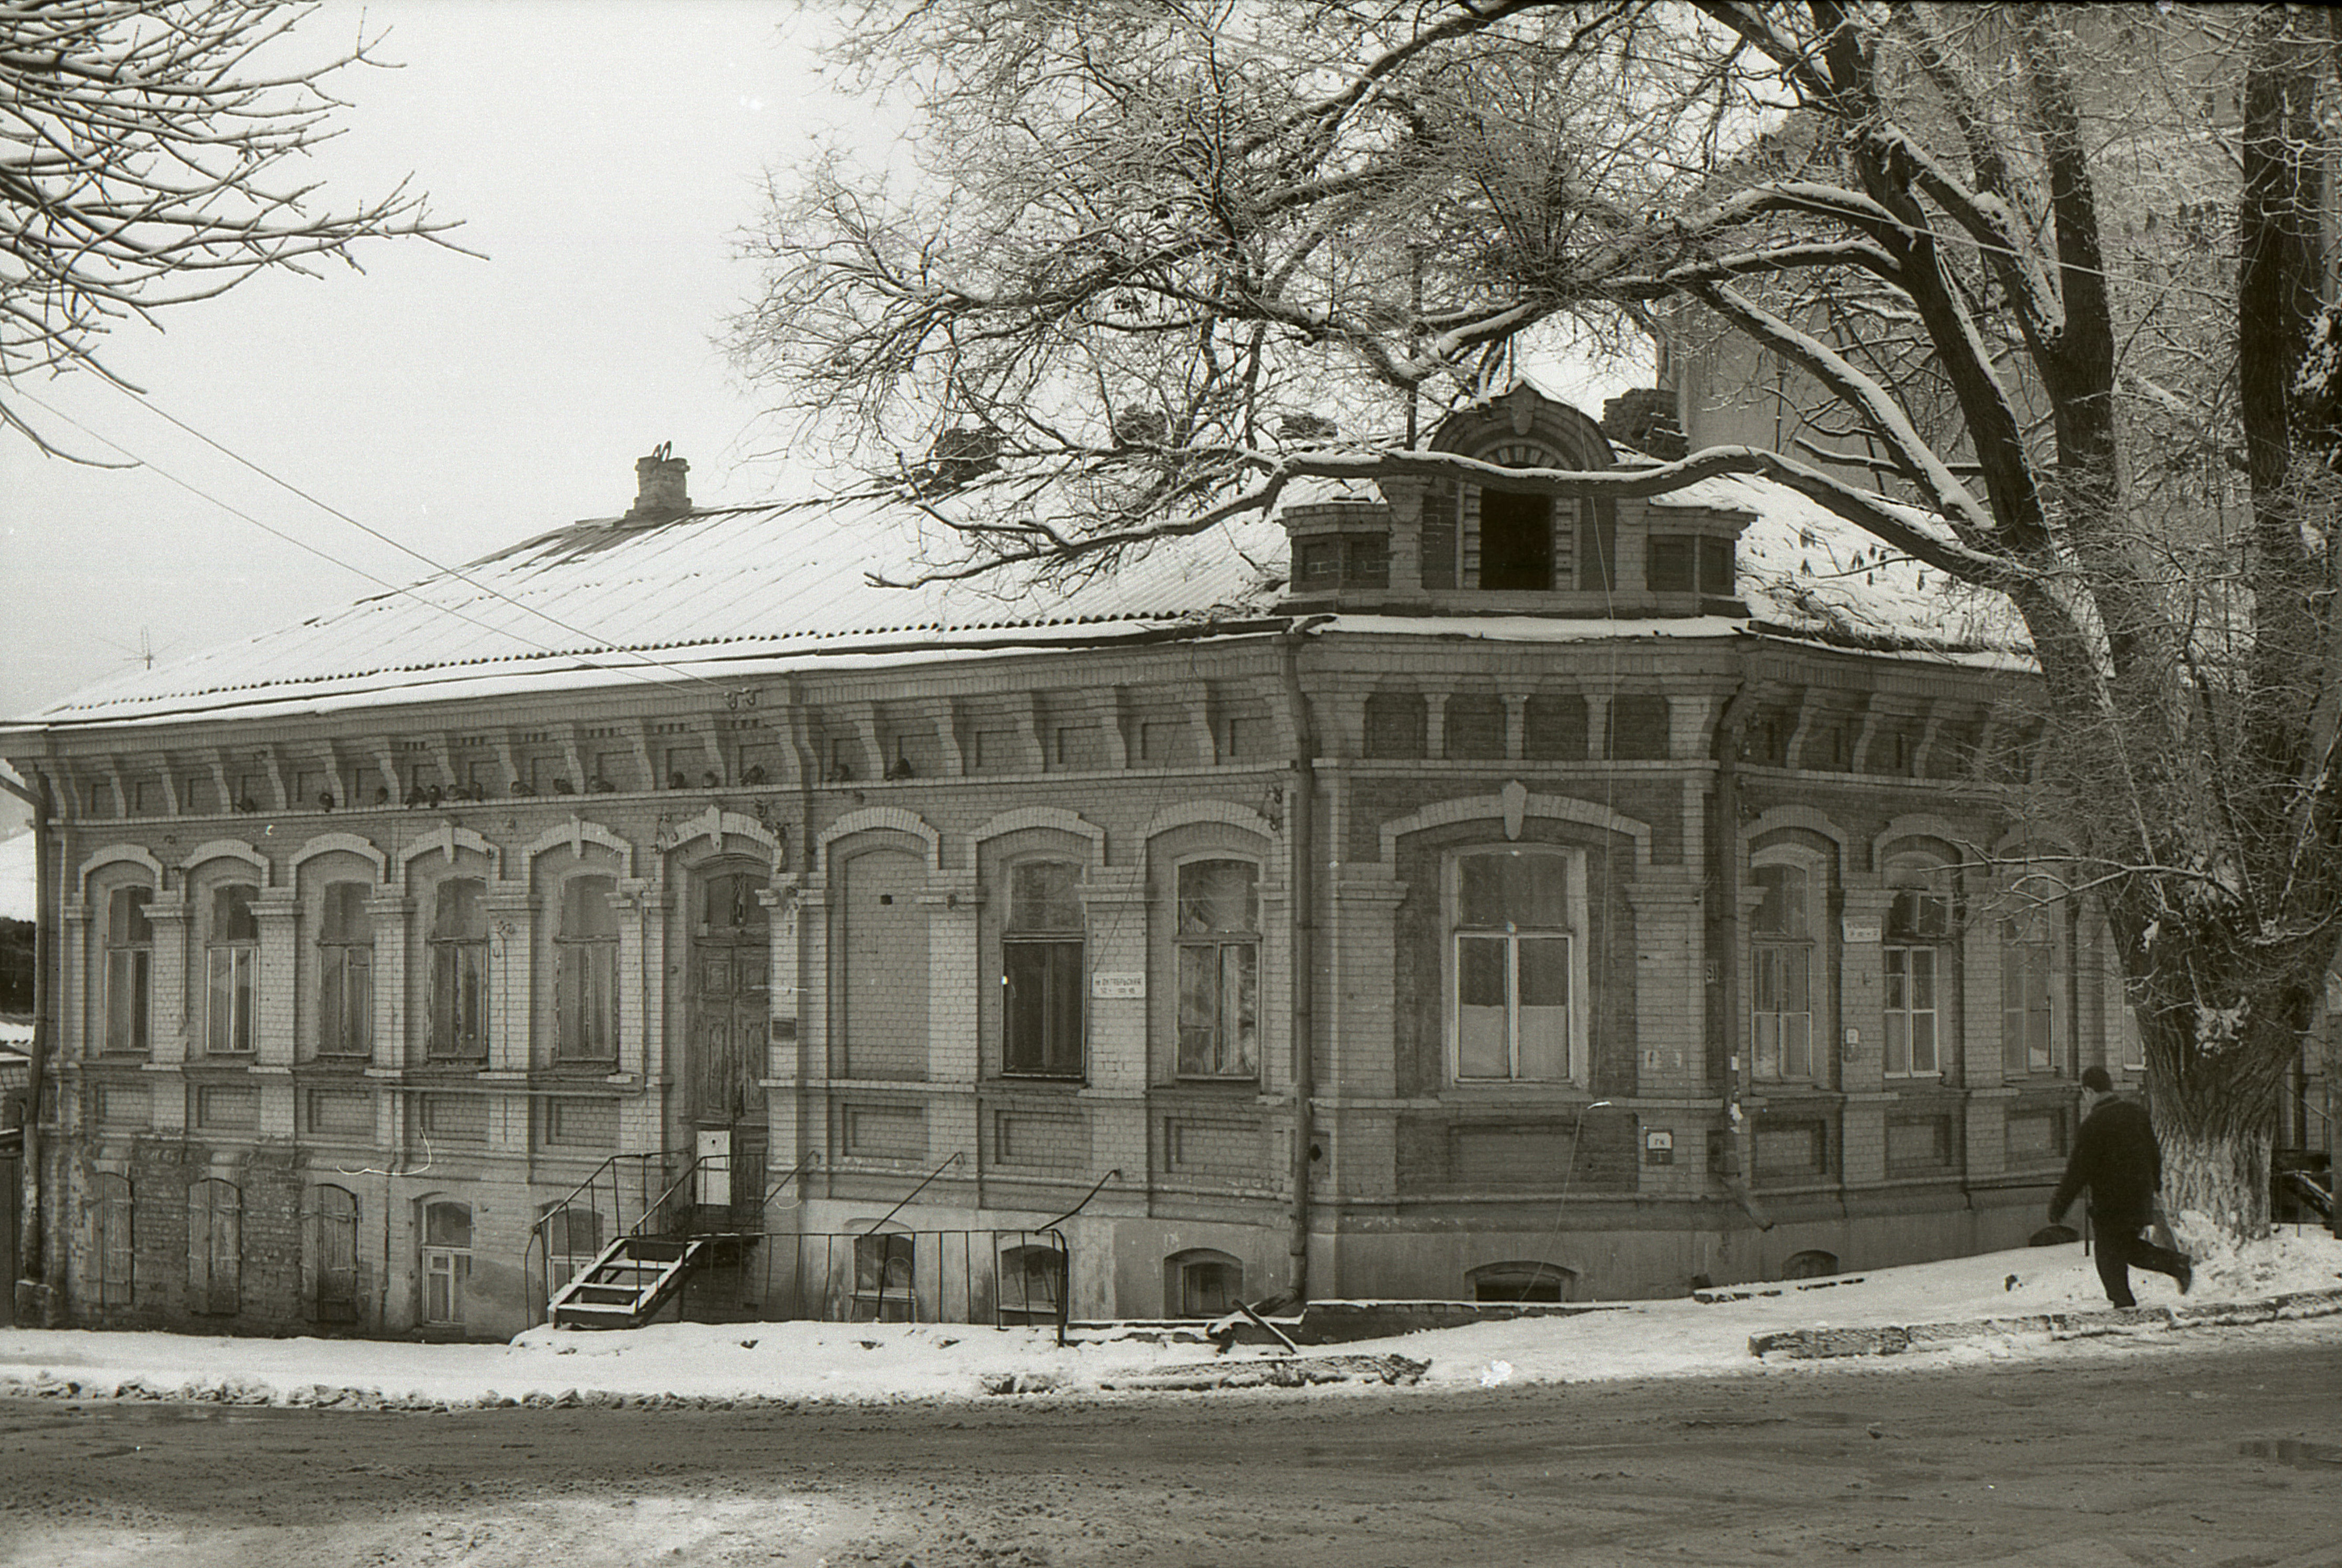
(2121,1248)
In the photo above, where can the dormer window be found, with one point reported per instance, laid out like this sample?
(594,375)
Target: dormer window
(1516,542)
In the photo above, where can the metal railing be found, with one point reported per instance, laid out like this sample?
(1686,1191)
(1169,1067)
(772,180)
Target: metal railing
(874,1275)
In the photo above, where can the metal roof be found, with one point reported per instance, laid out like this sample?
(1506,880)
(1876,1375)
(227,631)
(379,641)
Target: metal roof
(750,589)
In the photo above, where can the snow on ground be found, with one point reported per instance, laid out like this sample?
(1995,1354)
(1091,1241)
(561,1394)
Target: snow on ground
(881,1362)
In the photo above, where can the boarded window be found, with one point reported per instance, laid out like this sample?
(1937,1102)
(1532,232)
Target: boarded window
(214,1247)
(330,1254)
(112,1244)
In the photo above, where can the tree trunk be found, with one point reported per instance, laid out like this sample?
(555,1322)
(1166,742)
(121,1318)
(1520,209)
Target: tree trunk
(2215,1184)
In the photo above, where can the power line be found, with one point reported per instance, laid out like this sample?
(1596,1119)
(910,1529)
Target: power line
(368,529)
(410,589)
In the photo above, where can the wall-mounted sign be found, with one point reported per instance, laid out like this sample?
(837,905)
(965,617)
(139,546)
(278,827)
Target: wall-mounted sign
(1859,930)
(1117,985)
(1658,1147)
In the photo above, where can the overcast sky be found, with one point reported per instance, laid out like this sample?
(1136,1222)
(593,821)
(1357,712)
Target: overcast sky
(601,155)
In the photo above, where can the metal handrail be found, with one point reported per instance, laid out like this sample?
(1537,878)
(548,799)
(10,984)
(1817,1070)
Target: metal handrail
(921,1187)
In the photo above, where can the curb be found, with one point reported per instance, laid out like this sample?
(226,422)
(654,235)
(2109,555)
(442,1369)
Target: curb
(1891,1339)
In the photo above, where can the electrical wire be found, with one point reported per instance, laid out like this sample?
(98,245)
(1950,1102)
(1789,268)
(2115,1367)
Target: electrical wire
(413,591)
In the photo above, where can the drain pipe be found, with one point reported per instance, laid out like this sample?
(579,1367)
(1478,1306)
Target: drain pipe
(1301,834)
(1725,845)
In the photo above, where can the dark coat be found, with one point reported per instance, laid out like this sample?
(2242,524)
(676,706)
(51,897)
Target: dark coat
(2116,1156)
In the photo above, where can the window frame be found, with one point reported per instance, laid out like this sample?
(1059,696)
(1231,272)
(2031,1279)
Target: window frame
(2030,991)
(1768,950)
(1902,972)
(1060,953)
(444,1271)
(1454,932)
(345,970)
(232,1010)
(129,966)
(1221,942)
(584,975)
(1182,1272)
(448,957)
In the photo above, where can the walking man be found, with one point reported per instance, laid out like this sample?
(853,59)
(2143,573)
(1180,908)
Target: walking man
(2116,1156)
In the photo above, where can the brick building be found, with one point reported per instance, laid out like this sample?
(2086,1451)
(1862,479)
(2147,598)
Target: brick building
(1655,925)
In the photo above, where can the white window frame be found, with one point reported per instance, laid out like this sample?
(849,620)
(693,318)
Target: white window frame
(237,961)
(1900,969)
(1245,944)
(1454,933)
(1813,952)
(445,1273)
(129,977)
(344,974)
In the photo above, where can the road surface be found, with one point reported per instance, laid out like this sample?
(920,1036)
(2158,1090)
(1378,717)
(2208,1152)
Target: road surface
(2225,1454)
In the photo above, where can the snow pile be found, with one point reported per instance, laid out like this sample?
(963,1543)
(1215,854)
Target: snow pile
(722,1364)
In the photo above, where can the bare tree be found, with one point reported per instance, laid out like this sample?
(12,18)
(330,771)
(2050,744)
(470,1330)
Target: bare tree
(2055,273)
(148,161)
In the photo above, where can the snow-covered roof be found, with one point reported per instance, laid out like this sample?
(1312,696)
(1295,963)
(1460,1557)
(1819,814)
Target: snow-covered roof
(728,592)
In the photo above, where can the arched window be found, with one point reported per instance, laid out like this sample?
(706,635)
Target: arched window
(1042,970)
(1915,960)
(459,970)
(231,962)
(112,1249)
(1201,1282)
(345,972)
(1512,922)
(1810,1266)
(1781,970)
(1219,969)
(129,970)
(330,1252)
(214,1247)
(447,1262)
(1519,1281)
(2029,981)
(586,972)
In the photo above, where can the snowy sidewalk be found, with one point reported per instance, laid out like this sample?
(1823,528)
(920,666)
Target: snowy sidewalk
(2001,1305)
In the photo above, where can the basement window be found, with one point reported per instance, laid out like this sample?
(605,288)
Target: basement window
(1519,1281)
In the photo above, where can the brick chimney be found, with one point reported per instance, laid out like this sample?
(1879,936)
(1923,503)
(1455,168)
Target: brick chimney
(659,485)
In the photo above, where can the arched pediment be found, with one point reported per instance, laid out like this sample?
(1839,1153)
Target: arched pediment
(883,819)
(1227,813)
(719,828)
(227,849)
(344,844)
(1056,818)
(446,840)
(1526,416)
(1514,806)
(574,835)
(98,860)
